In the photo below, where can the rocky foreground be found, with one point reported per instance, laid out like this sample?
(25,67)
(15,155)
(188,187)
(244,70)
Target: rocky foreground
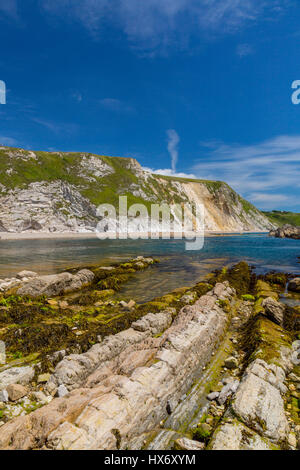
(214,366)
(286,231)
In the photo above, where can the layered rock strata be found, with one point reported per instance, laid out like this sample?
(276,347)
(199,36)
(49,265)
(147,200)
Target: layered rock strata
(125,386)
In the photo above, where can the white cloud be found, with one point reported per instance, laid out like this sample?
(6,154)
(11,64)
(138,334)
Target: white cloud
(269,197)
(170,172)
(260,172)
(152,25)
(173,141)
(116,105)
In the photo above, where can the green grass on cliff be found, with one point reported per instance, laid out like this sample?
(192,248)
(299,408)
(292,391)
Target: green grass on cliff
(281,217)
(19,168)
(18,172)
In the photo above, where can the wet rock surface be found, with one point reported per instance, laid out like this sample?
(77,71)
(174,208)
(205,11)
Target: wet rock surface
(184,346)
(212,367)
(294,285)
(56,284)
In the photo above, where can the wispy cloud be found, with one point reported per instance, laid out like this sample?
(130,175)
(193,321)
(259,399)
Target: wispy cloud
(8,141)
(77,96)
(260,172)
(113,104)
(8,9)
(243,50)
(56,127)
(153,25)
(275,201)
(173,141)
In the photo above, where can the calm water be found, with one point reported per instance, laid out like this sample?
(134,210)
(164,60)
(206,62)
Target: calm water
(177,268)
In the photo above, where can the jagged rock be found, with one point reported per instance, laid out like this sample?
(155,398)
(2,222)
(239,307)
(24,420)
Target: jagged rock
(4,396)
(258,402)
(40,397)
(294,285)
(26,274)
(56,284)
(155,322)
(297,431)
(57,356)
(295,358)
(188,444)
(287,231)
(29,224)
(236,436)
(74,369)
(213,396)
(2,352)
(188,297)
(296,345)
(16,375)
(131,304)
(136,359)
(274,310)
(43,378)
(227,392)
(16,391)
(62,391)
(2,227)
(59,205)
(133,404)
(292,440)
(9,284)
(294,377)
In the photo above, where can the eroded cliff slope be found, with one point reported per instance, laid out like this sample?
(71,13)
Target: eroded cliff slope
(57,192)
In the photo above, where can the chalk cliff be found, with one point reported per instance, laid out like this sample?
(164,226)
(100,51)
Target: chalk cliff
(60,192)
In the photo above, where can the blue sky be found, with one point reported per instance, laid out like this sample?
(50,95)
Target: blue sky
(196,87)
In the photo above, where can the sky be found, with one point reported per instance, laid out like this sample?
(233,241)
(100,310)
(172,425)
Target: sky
(187,87)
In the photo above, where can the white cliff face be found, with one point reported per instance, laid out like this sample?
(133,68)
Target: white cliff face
(93,167)
(46,207)
(60,192)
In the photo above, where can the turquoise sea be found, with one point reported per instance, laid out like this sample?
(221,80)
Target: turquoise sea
(178,267)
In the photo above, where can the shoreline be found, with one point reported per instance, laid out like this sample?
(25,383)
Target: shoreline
(93,235)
